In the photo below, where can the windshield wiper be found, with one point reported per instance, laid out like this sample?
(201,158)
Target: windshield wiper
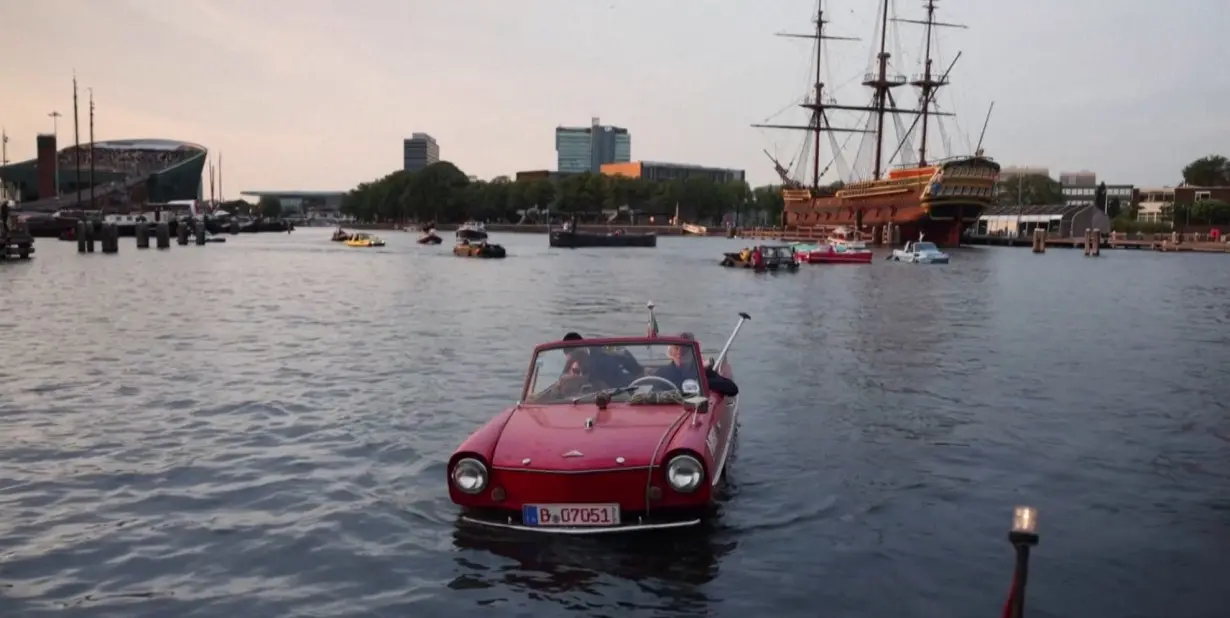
(610,392)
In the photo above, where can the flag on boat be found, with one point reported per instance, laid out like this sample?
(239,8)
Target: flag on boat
(653,324)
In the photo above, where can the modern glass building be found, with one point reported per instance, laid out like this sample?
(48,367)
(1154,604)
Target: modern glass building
(586,149)
(419,151)
(129,171)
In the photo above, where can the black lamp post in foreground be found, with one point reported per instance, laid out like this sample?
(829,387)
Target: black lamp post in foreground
(1023,536)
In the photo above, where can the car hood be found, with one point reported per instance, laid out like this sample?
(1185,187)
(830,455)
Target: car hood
(545,434)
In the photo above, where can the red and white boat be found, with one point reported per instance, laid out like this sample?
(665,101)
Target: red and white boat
(610,435)
(841,247)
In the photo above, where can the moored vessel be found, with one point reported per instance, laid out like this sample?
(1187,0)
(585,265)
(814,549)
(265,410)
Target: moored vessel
(843,246)
(472,231)
(570,237)
(481,249)
(363,239)
(429,237)
(938,197)
(919,252)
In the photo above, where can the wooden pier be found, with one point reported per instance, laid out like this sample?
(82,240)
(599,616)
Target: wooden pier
(1173,242)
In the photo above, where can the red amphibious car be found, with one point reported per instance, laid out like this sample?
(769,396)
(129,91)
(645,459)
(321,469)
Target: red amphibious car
(609,435)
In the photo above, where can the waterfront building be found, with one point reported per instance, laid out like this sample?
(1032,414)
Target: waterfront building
(304,204)
(419,151)
(128,171)
(1154,204)
(1079,188)
(586,149)
(1059,220)
(1013,171)
(659,172)
(1118,197)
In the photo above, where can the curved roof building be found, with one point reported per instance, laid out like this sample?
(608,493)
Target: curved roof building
(128,171)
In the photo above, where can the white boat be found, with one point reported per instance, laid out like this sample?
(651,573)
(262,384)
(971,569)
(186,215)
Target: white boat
(919,252)
(472,230)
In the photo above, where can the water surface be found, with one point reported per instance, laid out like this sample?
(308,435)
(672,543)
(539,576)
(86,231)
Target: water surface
(259,429)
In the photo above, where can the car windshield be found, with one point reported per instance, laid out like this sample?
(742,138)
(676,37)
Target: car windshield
(925,246)
(639,373)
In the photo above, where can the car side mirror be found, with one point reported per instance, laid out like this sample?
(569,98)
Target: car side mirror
(698,404)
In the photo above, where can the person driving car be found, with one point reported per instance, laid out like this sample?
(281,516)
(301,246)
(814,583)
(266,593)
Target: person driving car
(683,367)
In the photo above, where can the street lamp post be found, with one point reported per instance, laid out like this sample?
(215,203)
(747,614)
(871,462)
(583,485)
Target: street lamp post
(55,132)
(1023,536)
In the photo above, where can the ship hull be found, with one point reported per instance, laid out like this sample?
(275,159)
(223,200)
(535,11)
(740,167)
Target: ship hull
(938,202)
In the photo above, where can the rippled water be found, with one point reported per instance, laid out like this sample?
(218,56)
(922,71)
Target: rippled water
(259,429)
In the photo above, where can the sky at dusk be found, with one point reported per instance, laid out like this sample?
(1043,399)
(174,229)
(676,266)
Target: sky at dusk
(318,94)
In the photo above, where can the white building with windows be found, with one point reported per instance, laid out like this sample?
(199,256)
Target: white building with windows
(1155,204)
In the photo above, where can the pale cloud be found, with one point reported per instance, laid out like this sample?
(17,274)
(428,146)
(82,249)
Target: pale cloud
(319,93)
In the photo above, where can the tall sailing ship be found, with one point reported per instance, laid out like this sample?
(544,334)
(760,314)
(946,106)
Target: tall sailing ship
(937,198)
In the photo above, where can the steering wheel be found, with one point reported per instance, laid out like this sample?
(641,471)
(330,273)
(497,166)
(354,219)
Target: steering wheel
(659,379)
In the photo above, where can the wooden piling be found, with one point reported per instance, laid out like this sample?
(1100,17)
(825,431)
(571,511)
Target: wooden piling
(1039,240)
(199,232)
(91,236)
(142,234)
(181,233)
(1088,243)
(111,238)
(162,232)
(82,235)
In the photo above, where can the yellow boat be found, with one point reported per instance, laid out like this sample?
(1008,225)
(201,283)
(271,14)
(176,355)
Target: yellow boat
(365,240)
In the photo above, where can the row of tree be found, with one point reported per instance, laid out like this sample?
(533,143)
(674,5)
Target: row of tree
(441,192)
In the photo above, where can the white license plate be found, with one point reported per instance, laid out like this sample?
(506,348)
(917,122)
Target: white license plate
(570,514)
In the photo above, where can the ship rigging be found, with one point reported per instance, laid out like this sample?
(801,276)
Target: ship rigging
(921,195)
(882,80)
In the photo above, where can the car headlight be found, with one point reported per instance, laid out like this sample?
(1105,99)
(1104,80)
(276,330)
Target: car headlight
(685,474)
(469,476)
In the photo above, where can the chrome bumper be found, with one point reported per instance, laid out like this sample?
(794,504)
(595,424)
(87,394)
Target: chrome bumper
(583,530)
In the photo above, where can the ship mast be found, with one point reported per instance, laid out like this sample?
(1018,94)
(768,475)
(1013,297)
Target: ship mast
(881,84)
(819,122)
(929,82)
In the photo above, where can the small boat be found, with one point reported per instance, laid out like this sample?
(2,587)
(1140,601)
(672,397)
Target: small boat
(479,250)
(919,252)
(617,238)
(364,240)
(835,253)
(429,237)
(568,237)
(776,257)
(841,247)
(341,235)
(472,230)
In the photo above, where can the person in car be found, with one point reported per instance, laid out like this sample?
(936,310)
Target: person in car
(683,367)
(609,368)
